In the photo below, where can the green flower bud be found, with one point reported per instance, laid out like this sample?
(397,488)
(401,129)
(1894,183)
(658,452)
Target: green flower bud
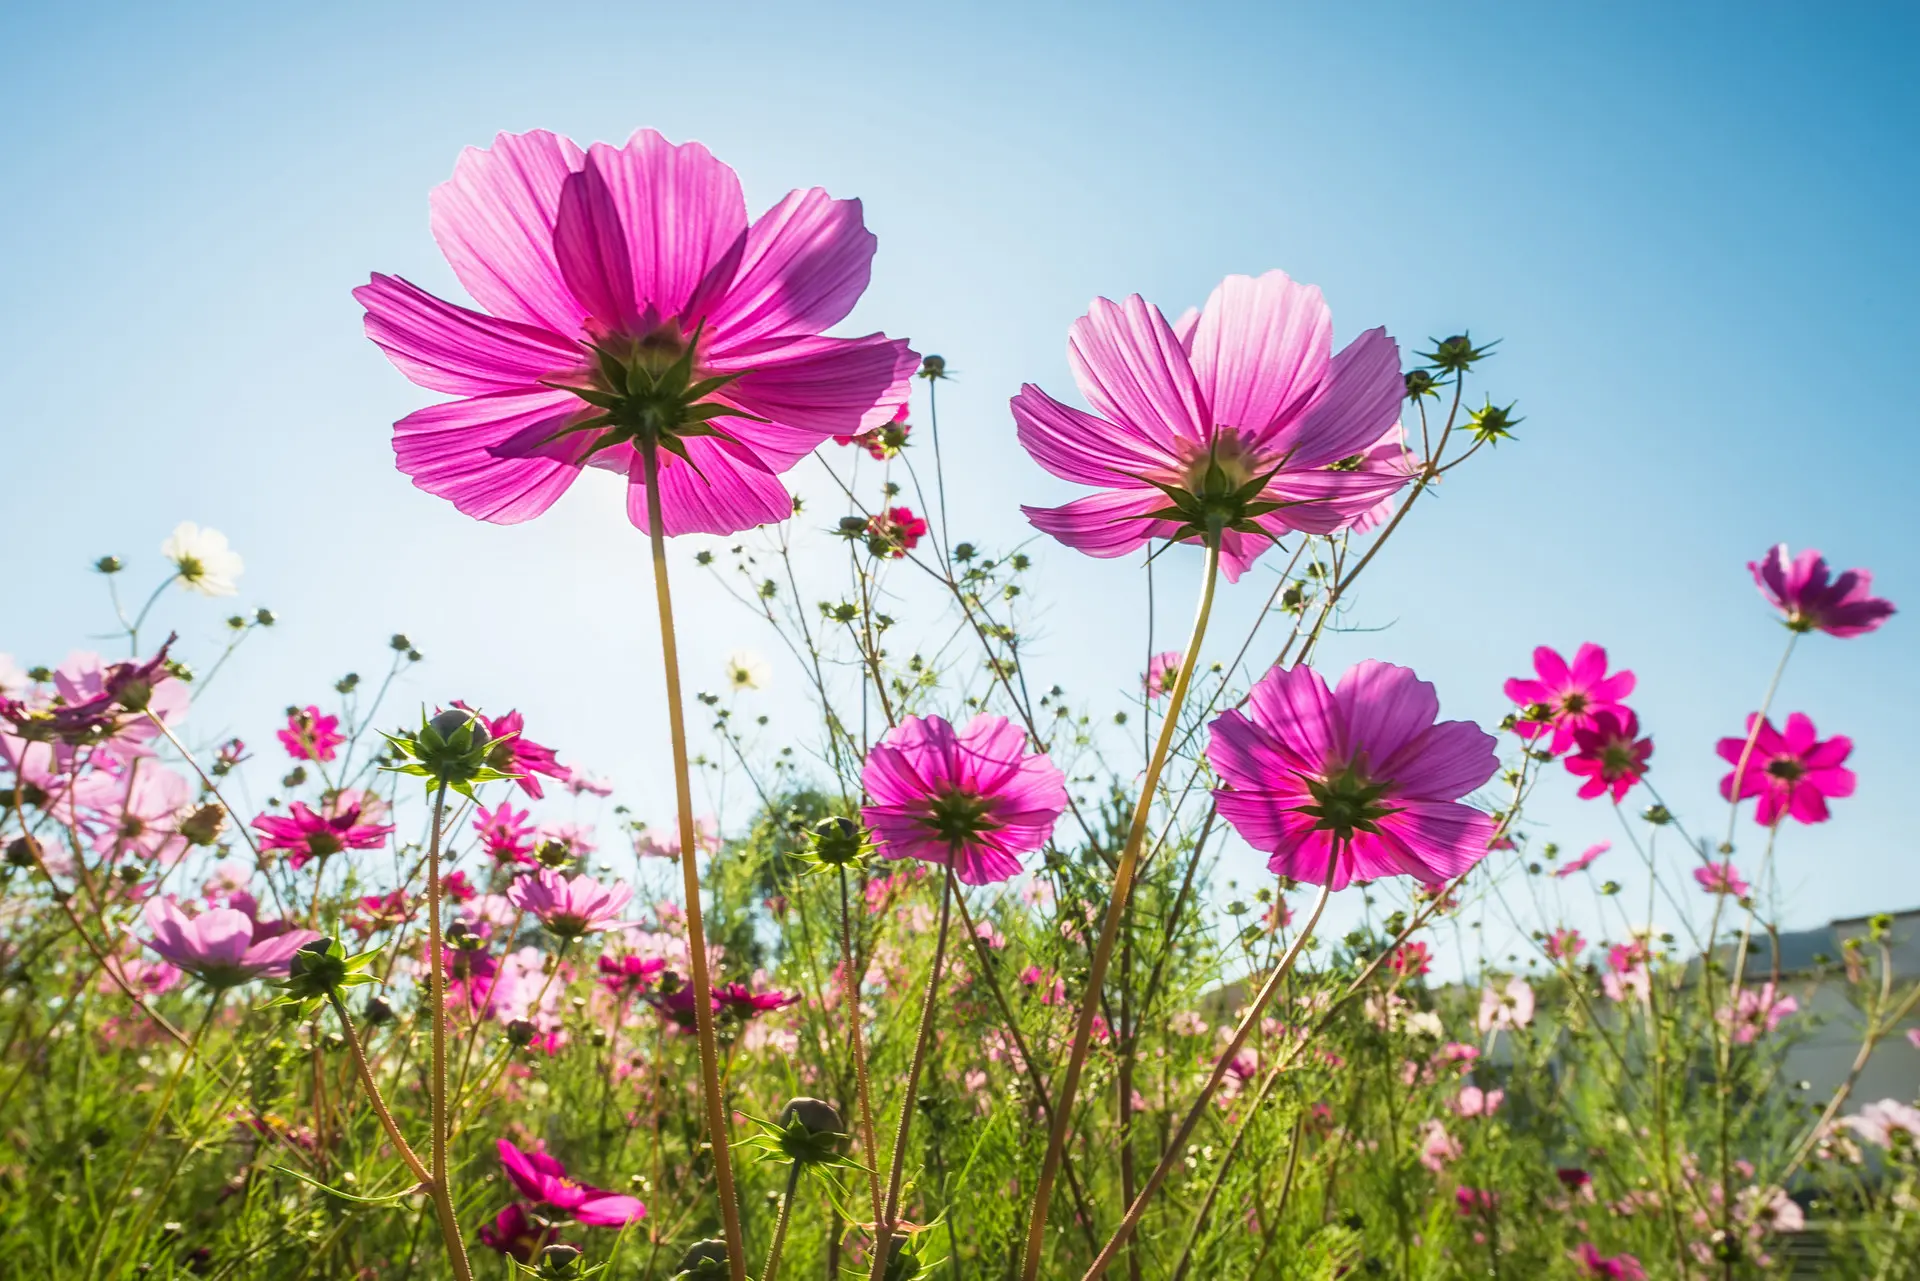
(811,1132)
(204,825)
(703,1261)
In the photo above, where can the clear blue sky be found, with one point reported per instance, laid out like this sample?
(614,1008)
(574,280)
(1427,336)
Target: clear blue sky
(1693,230)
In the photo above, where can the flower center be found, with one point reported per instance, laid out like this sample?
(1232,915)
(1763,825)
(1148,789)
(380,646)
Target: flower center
(959,817)
(1347,802)
(1219,488)
(1573,703)
(1617,758)
(1786,768)
(321,844)
(647,393)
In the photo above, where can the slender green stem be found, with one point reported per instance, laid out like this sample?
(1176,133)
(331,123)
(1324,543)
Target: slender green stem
(718,1128)
(437,1185)
(374,1096)
(772,1268)
(863,1095)
(1069,1082)
(909,1100)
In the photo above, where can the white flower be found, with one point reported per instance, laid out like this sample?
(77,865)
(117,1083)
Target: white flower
(205,562)
(13,680)
(747,670)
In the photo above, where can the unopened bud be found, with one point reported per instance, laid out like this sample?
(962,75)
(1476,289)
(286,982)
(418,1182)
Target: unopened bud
(204,825)
(703,1260)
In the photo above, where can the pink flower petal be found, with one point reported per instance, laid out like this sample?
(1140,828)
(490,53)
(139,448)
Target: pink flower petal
(721,490)
(485,456)
(1077,446)
(807,261)
(452,349)
(1359,402)
(681,210)
(494,220)
(822,386)
(590,245)
(1260,349)
(1131,368)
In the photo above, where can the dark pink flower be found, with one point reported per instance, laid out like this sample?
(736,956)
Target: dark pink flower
(101,705)
(1410,960)
(894,532)
(457,888)
(885,441)
(1611,755)
(1573,1178)
(1722,878)
(629,975)
(1240,415)
(309,835)
(1162,672)
(1598,1267)
(1565,945)
(516,1234)
(1799,588)
(631,303)
(1472,1202)
(1363,770)
(380,912)
(974,799)
(506,835)
(1585,860)
(516,754)
(544,1181)
(570,907)
(223,946)
(309,736)
(1565,697)
(737,1000)
(1792,773)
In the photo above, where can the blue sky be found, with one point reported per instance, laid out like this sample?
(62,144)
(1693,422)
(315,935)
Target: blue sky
(1692,230)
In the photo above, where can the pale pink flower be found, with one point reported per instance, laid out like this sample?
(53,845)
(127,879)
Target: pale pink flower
(1241,414)
(1438,1149)
(1509,1007)
(1162,671)
(222,946)
(1722,878)
(1473,1101)
(575,838)
(136,815)
(603,269)
(1792,773)
(1757,1011)
(1886,1123)
(1799,588)
(1567,696)
(570,907)
(1585,860)
(664,842)
(1358,782)
(973,799)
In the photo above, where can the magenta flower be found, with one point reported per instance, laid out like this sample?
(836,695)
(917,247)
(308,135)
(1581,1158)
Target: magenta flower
(627,976)
(308,835)
(1411,960)
(1566,945)
(739,1001)
(515,754)
(894,532)
(973,799)
(1240,418)
(223,946)
(1792,773)
(309,736)
(505,834)
(1358,782)
(1598,1267)
(632,306)
(1566,697)
(885,441)
(516,1234)
(544,1181)
(1799,588)
(1471,1202)
(94,703)
(1585,860)
(1722,878)
(1162,672)
(570,907)
(1612,756)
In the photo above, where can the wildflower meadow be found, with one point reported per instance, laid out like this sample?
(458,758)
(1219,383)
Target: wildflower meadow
(391,986)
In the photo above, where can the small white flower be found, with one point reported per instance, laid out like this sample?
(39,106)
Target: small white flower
(747,670)
(204,561)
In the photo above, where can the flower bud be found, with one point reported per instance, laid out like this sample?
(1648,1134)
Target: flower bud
(932,367)
(520,1034)
(702,1261)
(400,644)
(559,1262)
(109,565)
(316,969)
(838,841)
(379,1011)
(23,851)
(811,1132)
(203,826)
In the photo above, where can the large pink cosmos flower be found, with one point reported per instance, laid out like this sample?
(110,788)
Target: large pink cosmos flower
(515,754)
(306,834)
(544,1181)
(632,304)
(1611,755)
(1792,773)
(1240,415)
(570,907)
(973,799)
(1798,587)
(1363,769)
(1566,696)
(1886,1123)
(223,946)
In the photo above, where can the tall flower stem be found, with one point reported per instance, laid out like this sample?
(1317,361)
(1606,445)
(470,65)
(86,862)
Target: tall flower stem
(1176,1147)
(883,1228)
(863,1095)
(717,1127)
(437,1187)
(1069,1082)
(374,1096)
(772,1268)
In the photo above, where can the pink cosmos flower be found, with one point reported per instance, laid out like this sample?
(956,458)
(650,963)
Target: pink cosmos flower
(1565,945)
(1508,1007)
(308,835)
(1162,672)
(1629,972)
(1438,1149)
(1240,415)
(894,532)
(516,754)
(309,736)
(1411,960)
(632,304)
(1799,588)
(1473,1101)
(505,834)
(739,1001)
(1886,1123)
(1566,696)
(570,907)
(580,782)
(223,946)
(516,1234)
(1792,773)
(1722,878)
(885,441)
(1598,1267)
(1612,756)
(136,815)
(665,843)
(1585,860)
(1469,1202)
(544,1181)
(627,976)
(1757,1011)
(973,799)
(458,888)
(1358,782)
(575,838)
(149,978)
(97,704)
